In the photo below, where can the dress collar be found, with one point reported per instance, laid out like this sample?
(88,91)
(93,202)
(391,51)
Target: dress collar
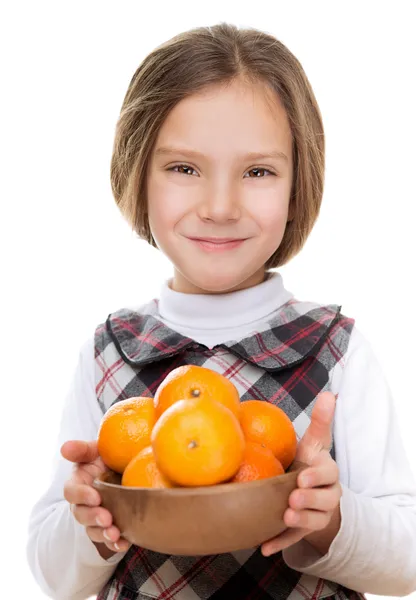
(297,331)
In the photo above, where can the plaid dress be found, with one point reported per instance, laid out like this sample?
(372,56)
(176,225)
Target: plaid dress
(289,362)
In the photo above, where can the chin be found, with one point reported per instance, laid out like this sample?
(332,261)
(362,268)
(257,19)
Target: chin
(219,283)
(217,287)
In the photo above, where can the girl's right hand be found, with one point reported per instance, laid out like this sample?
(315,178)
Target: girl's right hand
(85,501)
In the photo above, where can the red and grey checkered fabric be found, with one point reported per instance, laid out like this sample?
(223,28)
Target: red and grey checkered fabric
(288,363)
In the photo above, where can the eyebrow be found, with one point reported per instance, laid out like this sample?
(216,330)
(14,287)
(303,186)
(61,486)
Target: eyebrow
(168,150)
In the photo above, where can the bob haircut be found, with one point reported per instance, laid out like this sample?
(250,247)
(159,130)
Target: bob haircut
(191,62)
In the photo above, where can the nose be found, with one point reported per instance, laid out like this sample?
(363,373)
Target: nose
(220,205)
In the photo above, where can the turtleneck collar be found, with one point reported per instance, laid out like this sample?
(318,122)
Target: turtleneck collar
(222,311)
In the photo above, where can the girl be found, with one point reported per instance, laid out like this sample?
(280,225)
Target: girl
(205,115)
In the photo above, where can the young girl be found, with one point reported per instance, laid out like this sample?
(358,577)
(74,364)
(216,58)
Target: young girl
(205,115)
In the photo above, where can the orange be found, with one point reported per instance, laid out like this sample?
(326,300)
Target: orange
(125,430)
(198,442)
(142,471)
(191,381)
(270,426)
(258,462)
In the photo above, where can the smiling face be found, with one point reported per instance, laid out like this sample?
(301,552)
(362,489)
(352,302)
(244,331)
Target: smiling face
(218,187)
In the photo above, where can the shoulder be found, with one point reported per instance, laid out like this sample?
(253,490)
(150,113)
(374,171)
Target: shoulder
(127,314)
(331,312)
(360,346)
(360,366)
(333,325)
(99,337)
(339,322)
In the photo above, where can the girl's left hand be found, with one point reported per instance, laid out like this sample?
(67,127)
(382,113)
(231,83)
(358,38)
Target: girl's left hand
(314,504)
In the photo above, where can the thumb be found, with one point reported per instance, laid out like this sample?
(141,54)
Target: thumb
(319,432)
(78,451)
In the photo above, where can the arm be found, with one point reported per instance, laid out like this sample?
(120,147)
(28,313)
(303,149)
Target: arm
(374,550)
(64,561)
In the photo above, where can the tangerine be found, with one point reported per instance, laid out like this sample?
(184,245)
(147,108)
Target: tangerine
(191,381)
(125,430)
(258,462)
(270,426)
(142,471)
(198,442)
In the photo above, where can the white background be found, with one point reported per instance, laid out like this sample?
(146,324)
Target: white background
(68,258)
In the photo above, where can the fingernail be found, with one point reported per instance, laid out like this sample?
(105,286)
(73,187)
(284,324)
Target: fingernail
(117,547)
(107,537)
(99,523)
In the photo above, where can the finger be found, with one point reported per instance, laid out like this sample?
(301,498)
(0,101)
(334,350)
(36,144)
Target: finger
(318,435)
(110,537)
(93,517)
(320,427)
(326,473)
(98,534)
(324,499)
(87,472)
(121,546)
(313,520)
(79,451)
(322,459)
(282,541)
(79,493)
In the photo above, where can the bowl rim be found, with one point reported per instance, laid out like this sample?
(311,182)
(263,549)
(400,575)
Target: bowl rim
(205,489)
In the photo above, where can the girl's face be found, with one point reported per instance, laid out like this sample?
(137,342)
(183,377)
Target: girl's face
(218,186)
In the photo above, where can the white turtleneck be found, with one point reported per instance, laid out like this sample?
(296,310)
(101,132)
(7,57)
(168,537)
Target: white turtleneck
(216,318)
(375,549)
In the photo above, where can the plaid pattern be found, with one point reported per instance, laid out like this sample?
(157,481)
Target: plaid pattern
(288,362)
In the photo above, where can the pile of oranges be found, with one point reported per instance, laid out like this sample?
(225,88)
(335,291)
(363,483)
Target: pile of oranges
(195,432)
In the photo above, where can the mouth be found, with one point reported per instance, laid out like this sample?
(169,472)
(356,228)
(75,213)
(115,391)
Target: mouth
(211,244)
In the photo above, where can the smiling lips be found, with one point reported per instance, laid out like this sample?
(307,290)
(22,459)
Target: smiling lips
(217,244)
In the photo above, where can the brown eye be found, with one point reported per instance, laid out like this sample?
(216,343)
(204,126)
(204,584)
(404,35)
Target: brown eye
(259,172)
(183,169)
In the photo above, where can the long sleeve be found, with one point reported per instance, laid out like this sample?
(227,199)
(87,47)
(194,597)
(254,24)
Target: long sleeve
(375,548)
(62,558)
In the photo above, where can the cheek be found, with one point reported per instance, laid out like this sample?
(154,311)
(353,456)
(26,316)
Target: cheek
(268,203)
(166,204)
(271,215)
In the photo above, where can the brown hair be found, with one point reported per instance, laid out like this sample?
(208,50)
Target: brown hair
(190,62)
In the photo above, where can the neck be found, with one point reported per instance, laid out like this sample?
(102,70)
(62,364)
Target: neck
(180,284)
(214,318)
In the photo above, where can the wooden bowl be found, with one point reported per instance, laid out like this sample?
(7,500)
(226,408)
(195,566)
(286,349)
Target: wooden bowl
(201,520)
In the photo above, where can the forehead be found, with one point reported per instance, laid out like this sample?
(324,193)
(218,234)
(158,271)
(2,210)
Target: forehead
(229,119)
